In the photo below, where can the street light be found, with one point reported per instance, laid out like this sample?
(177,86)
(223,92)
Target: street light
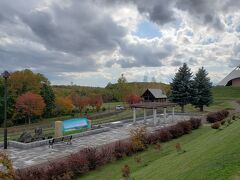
(5,75)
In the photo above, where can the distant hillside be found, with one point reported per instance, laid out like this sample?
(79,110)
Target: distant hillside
(62,90)
(110,91)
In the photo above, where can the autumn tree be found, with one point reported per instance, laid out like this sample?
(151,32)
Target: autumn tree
(24,81)
(96,101)
(80,102)
(64,104)
(132,99)
(29,105)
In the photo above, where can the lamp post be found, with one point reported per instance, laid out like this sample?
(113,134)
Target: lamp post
(5,75)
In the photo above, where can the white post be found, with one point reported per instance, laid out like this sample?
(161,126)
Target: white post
(144,115)
(165,115)
(134,115)
(154,117)
(173,108)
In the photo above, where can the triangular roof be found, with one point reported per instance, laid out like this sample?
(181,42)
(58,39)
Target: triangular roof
(233,75)
(157,93)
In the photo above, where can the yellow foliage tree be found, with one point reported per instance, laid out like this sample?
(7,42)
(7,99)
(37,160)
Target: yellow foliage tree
(64,104)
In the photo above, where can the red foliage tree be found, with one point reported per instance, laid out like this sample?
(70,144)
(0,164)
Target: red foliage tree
(30,104)
(80,102)
(132,99)
(96,101)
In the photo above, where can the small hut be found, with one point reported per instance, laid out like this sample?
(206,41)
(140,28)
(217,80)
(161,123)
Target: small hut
(154,95)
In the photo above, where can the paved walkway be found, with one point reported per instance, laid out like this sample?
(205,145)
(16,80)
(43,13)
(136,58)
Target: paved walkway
(25,158)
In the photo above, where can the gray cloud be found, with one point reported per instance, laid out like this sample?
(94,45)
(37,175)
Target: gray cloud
(142,55)
(176,63)
(159,11)
(234,63)
(80,28)
(68,36)
(57,39)
(204,11)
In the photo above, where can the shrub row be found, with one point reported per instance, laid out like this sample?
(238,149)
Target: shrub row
(91,158)
(217,116)
(174,131)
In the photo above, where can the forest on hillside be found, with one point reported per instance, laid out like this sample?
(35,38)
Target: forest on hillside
(32,97)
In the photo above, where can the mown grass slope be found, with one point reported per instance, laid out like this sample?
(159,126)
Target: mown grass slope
(223,96)
(210,154)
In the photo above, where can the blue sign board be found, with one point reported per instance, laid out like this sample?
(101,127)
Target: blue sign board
(75,124)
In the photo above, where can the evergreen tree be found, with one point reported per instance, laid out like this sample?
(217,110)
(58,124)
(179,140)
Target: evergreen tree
(49,99)
(10,104)
(181,87)
(202,89)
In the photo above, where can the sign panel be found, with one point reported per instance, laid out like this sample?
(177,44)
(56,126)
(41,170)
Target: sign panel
(75,124)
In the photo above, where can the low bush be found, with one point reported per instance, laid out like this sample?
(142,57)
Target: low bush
(128,148)
(217,116)
(176,131)
(222,122)
(229,121)
(56,170)
(186,126)
(92,157)
(29,174)
(106,154)
(158,146)
(196,122)
(126,172)
(238,101)
(138,160)
(178,147)
(138,139)
(78,163)
(165,135)
(153,138)
(6,170)
(119,150)
(216,125)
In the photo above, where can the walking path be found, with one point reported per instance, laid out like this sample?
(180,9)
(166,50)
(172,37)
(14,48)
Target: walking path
(23,158)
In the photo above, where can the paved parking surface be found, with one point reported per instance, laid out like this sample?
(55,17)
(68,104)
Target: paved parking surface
(25,158)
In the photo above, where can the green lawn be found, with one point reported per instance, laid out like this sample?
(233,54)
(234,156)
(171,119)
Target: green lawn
(222,99)
(210,154)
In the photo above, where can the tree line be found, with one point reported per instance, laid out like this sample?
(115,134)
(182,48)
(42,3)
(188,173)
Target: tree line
(31,96)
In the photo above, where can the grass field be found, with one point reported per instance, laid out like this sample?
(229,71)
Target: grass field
(210,154)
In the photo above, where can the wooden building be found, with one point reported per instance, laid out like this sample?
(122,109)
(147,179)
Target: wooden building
(154,95)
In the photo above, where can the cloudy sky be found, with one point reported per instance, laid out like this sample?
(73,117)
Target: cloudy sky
(92,42)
